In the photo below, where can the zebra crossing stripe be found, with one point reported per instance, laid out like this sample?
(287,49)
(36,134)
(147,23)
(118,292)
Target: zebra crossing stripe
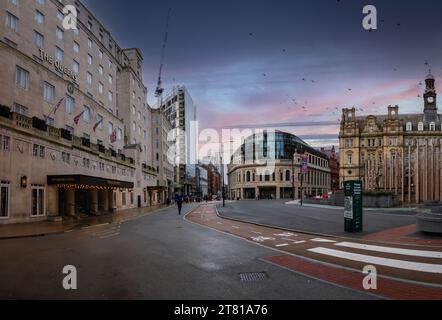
(405,252)
(392,263)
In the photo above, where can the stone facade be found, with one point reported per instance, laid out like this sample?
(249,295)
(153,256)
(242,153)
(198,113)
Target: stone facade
(75,126)
(401,154)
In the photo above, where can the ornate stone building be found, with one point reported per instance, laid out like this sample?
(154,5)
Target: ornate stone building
(266,164)
(397,153)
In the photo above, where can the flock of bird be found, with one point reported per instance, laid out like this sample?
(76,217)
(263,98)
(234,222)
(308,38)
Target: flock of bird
(335,111)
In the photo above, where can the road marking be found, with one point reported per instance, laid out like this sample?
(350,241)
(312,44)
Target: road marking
(323,240)
(285,235)
(219,222)
(95,226)
(405,252)
(392,263)
(235,227)
(299,242)
(282,245)
(262,239)
(255,232)
(110,235)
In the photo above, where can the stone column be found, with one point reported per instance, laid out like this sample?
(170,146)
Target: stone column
(409,172)
(105,200)
(278,193)
(70,202)
(94,200)
(52,201)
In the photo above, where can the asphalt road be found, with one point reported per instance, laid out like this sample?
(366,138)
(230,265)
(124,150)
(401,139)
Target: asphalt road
(160,256)
(319,220)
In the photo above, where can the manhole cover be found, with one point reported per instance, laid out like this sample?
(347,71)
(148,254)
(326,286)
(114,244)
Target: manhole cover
(252,276)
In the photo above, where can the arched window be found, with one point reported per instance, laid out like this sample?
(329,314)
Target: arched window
(421,126)
(254,177)
(274,176)
(248,176)
(239,177)
(267,176)
(281,176)
(409,126)
(350,158)
(432,126)
(287,175)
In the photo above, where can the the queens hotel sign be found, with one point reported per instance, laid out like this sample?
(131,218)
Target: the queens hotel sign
(57,65)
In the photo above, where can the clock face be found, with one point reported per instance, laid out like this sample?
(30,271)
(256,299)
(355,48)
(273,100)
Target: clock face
(430,99)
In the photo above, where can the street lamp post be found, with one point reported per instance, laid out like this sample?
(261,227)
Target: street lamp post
(294,174)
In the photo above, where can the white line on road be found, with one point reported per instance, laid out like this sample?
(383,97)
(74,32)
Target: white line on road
(282,245)
(235,227)
(392,263)
(405,252)
(323,240)
(110,235)
(255,232)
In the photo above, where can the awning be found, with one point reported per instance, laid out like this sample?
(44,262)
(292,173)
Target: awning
(88,181)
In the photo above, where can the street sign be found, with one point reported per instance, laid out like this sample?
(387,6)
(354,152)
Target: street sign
(353,211)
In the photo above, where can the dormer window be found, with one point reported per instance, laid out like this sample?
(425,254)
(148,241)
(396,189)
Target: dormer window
(432,126)
(420,126)
(409,126)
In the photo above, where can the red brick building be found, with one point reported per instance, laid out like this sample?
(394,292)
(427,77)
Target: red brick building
(334,167)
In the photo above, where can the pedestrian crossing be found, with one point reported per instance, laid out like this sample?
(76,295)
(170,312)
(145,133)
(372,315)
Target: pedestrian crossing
(103,232)
(391,262)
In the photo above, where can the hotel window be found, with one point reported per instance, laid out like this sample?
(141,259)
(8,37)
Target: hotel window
(139,131)
(4,199)
(134,110)
(38,201)
(139,115)
(66,157)
(60,16)
(119,134)
(432,126)
(421,126)
(100,70)
(110,64)
(11,21)
(100,54)
(18,108)
(111,128)
(39,17)
(144,134)
(59,33)
(111,79)
(6,143)
(86,114)
(38,39)
(41,2)
(89,59)
(89,78)
(100,88)
(48,92)
(123,198)
(21,78)
(111,96)
(409,126)
(89,25)
(70,104)
(76,47)
(76,67)
(58,54)
(134,126)
(15,2)
(89,43)
(76,31)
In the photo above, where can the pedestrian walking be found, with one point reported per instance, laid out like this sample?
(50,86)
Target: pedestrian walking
(179,203)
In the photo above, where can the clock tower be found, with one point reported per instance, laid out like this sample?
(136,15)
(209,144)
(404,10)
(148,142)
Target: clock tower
(430,96)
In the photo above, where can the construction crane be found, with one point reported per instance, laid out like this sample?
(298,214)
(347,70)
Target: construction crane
(159,91)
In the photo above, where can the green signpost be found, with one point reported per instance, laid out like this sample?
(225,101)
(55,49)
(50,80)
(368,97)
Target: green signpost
(353,206)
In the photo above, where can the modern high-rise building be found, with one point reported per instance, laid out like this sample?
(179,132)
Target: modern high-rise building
(180,110)
(75,126)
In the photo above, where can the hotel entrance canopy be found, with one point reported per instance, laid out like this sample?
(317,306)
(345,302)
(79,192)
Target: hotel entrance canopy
(86,182)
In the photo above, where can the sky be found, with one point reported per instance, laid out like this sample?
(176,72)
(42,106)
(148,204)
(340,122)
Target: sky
(259,62)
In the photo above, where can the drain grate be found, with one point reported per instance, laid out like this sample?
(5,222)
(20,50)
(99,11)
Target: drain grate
(252,276)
